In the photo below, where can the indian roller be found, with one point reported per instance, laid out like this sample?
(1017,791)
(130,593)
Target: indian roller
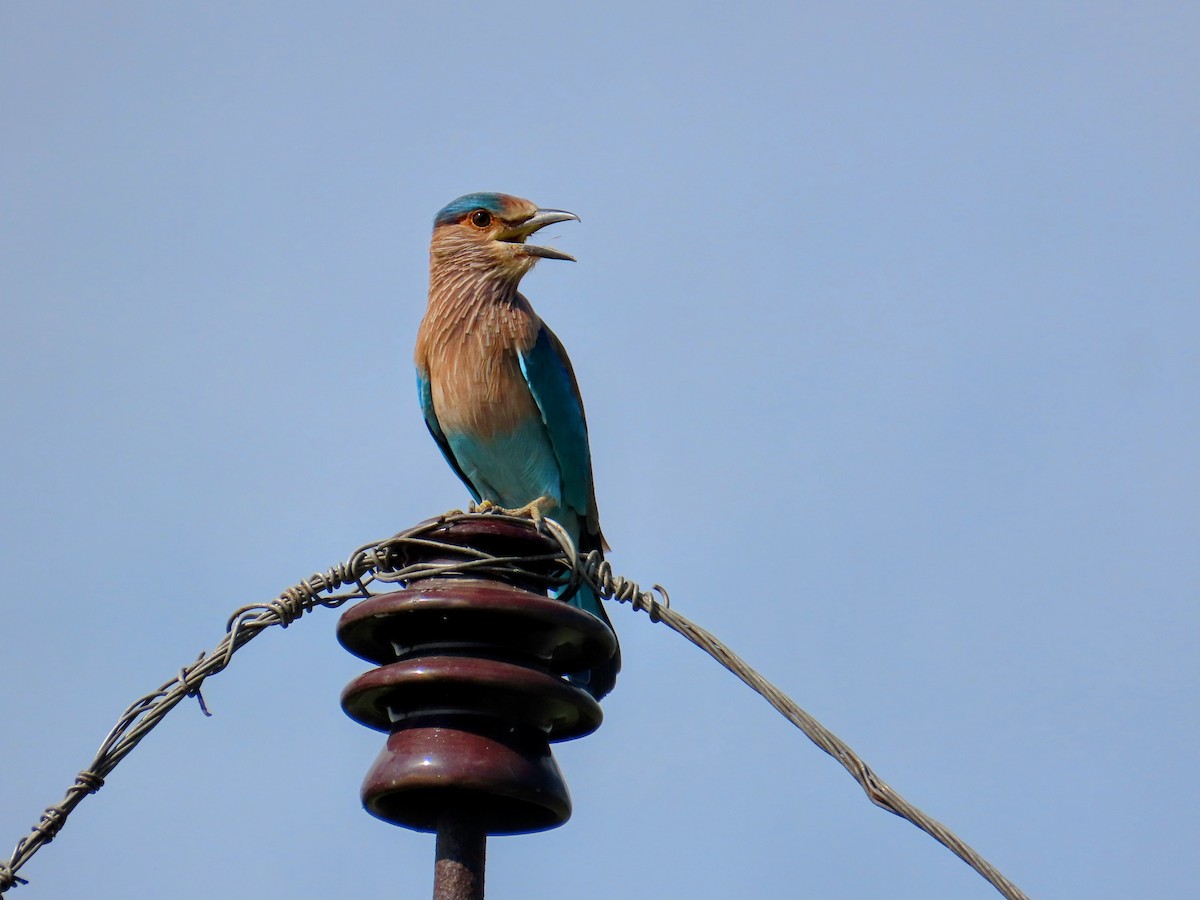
(496,387)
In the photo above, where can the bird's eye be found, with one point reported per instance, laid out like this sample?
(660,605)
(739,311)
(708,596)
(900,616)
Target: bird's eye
(481,218)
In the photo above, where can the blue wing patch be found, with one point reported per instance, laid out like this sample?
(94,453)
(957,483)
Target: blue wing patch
(551,380)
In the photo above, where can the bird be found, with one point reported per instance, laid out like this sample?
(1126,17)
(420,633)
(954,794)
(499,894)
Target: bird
(496,387)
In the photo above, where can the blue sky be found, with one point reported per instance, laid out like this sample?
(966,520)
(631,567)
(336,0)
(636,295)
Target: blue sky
(886,318)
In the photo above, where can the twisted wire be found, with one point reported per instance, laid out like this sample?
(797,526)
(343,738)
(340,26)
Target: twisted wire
(383,561)
(614,587)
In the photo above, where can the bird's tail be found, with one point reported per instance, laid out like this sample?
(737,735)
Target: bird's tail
(600,680)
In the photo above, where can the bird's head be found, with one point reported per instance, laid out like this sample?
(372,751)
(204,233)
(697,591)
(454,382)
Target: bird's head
(488,231)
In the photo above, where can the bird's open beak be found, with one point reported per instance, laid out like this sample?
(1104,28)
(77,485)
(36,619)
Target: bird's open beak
(538,220)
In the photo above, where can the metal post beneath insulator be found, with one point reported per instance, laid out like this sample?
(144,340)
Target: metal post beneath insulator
(470,690)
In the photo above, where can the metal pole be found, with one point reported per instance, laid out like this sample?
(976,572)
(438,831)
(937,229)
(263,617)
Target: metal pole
(461,854)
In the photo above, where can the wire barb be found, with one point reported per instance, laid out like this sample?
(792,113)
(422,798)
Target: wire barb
(383,561)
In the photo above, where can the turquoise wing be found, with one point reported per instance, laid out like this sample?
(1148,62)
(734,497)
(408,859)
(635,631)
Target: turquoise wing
(551,380)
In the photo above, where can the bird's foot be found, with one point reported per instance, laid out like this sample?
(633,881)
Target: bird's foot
(450,514)
(534,509)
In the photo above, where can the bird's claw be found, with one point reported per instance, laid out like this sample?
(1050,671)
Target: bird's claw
(535,510)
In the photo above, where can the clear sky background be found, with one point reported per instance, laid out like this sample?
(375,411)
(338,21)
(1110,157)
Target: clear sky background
(886,318)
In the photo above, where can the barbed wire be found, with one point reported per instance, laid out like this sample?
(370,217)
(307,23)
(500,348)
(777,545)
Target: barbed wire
(614,587)
(384,561)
